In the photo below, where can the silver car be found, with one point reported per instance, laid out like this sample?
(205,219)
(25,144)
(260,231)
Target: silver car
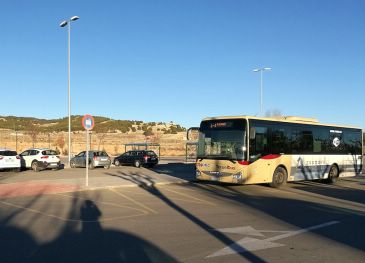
(96,159)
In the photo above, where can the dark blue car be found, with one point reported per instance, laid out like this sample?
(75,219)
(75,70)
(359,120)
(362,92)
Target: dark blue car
(137,158)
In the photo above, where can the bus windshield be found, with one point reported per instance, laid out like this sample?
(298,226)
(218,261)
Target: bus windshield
(222,139)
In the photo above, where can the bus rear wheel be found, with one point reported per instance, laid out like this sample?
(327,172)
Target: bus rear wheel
(333,174)
(279,177)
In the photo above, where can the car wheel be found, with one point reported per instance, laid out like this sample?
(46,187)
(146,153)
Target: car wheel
(35,166)
(279,177)
(73,164)
(116,163)
(137,163)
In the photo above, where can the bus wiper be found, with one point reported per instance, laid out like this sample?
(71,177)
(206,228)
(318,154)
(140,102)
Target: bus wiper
(229,159)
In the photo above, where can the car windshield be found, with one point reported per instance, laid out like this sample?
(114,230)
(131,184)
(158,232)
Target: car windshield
(150,153)
(49,152)
(8,153)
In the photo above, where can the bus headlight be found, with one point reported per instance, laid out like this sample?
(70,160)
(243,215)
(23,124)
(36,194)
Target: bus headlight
(197,173)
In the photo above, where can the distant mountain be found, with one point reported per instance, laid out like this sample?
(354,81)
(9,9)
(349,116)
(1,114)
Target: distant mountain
(102,125)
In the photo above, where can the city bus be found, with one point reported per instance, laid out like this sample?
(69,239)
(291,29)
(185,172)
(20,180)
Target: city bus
(276,150)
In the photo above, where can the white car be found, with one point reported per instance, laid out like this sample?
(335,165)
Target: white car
(40,158)
(9,160)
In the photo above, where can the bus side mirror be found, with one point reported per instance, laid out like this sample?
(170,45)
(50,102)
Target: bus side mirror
(252,133)
(190,131)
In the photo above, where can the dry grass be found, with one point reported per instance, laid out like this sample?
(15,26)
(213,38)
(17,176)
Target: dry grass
(112,143)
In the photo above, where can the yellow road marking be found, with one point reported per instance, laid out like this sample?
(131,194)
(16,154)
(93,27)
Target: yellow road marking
(191,197)
(143,213)
(101,202)
(198,200)
(187,200)
(175,198)
(134,201)
(131,192)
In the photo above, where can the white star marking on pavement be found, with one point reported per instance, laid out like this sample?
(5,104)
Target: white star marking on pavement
(253,244)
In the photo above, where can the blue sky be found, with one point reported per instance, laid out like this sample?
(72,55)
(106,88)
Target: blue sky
(183,60)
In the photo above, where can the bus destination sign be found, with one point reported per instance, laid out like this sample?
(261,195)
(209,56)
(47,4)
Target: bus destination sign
(221,124)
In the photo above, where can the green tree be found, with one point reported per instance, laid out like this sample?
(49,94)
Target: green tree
(148,132)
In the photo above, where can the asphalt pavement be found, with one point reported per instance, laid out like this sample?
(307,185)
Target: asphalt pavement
(169,170)
(161,215)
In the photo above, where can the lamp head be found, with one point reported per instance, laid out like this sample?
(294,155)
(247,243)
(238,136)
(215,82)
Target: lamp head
(63,24)
(74,18)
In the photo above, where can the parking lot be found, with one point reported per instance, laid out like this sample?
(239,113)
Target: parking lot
(161,215)
(169,170)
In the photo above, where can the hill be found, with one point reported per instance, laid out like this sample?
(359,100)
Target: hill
(102,125)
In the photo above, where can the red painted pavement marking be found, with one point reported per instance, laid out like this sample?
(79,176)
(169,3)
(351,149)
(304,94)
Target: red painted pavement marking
(31,189)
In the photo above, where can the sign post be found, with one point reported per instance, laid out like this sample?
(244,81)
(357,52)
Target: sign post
(88,123)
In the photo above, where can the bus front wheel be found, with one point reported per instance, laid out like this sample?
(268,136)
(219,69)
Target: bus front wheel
(279,177)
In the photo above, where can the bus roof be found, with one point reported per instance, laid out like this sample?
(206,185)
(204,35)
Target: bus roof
(288,119)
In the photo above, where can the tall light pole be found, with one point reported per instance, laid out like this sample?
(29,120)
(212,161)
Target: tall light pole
(261,89)
(63,24)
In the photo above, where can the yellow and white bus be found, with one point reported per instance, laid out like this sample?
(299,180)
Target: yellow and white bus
(253,150)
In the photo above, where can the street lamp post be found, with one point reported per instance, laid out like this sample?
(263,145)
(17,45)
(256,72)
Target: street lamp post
(261,88)
(63,24)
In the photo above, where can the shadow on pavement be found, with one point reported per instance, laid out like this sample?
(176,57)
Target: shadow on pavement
(179,170)
(91,244)
(300,213)
(147,183)
(335,191)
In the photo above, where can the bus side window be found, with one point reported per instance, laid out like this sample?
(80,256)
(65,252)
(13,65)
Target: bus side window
(335,142)
(259,145)
(302,141)
(295,143)
(280,137)
(307,141)
(319,140)
(352,142)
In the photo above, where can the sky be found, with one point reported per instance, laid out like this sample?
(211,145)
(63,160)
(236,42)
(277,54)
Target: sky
(184,60)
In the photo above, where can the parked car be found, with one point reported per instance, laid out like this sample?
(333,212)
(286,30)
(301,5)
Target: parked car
(9,160)
(96,159)
(40,158)
(137,158)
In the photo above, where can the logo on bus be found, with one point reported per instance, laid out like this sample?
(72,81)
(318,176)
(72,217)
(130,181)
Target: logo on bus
(203,165)
(225,167)
(336,142)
